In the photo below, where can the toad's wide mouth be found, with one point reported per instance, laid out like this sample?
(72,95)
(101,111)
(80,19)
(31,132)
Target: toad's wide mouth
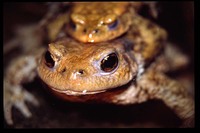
(104,95)
(86,92)
(75,93)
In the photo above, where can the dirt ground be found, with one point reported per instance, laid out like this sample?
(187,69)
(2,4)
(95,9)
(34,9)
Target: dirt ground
(55,113)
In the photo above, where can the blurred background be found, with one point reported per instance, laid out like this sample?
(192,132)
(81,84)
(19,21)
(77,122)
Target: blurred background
(176,17)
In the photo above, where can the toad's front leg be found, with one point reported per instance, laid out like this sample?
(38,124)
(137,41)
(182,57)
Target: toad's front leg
(155,85)
(172,93)
(20,70)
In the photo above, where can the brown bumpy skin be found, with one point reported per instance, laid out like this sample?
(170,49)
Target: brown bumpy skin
(76,75)
(98,22)
(74,71)
(148,36)
(92,22)
(130,83)
(78,67)
(172,93)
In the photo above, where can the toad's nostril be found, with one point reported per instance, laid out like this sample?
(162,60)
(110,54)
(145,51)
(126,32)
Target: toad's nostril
(95,31)
(63,70)
(84,30)
(80,72)
(77,74)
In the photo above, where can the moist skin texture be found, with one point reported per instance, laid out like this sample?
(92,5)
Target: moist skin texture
(73,70)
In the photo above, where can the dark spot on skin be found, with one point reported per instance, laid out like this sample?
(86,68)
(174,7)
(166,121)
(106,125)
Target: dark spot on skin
(136,34)
(128,45)
(144,45)
(141,47)
(145,91)
(155,32)
(150,26)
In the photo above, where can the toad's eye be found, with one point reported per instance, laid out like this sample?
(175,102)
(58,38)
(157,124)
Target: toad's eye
(109,63)
(113,25)
(49,60)
(72,24)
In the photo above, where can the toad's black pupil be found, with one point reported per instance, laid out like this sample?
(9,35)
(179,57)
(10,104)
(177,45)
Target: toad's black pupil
(48,60)
(109,63)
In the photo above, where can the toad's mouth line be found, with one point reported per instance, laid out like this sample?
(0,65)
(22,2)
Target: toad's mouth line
(70,92)
(85,92)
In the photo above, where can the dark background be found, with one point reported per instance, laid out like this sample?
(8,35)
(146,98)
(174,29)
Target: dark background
(176,17)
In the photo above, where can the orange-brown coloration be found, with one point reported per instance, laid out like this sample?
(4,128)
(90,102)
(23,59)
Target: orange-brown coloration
(148,36)
(74,69)
(94,21)
(121,86)
(75,57)
(170,91)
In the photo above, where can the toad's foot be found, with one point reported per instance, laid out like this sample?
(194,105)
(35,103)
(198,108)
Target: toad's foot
(15,96)
(21,70)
